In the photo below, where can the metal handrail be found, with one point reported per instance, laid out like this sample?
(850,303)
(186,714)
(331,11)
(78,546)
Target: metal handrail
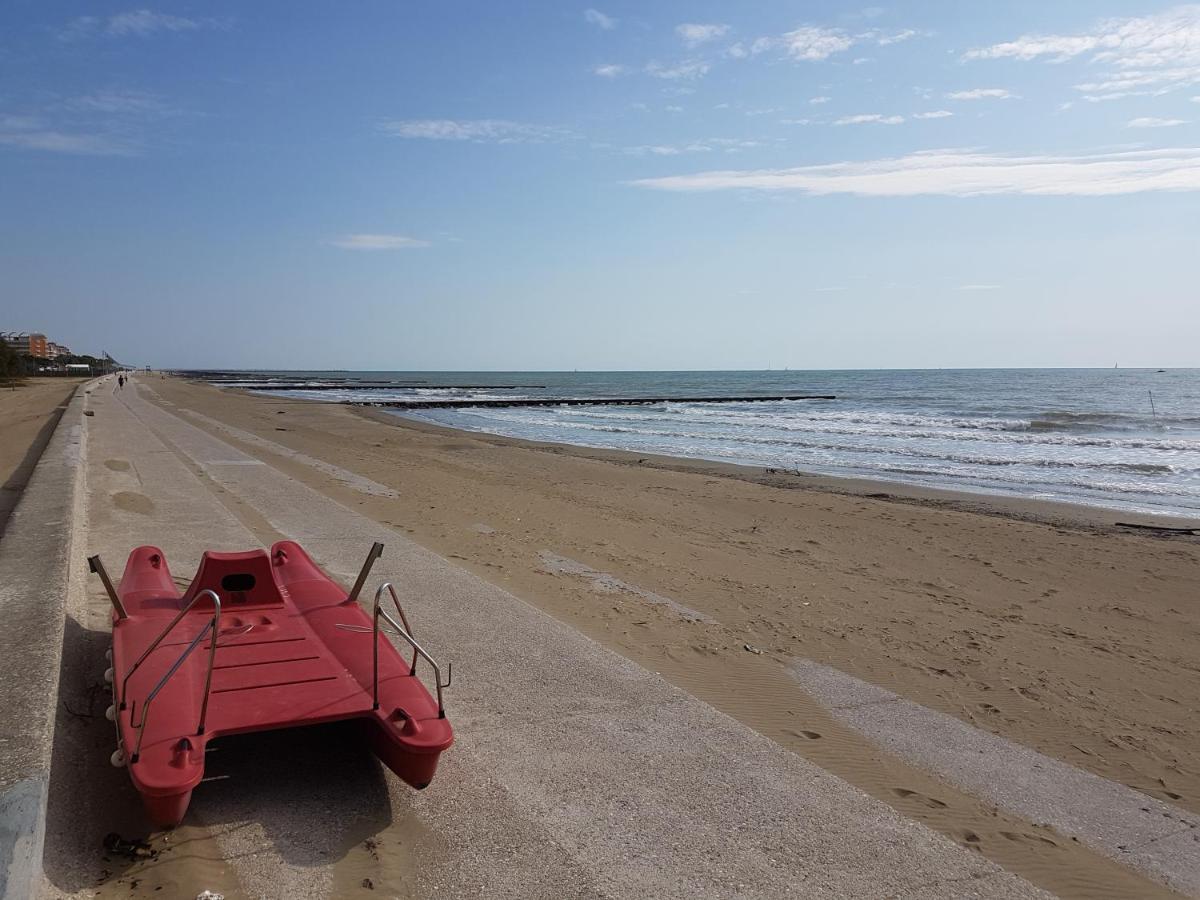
(418,650)
(209,627)
(158,640)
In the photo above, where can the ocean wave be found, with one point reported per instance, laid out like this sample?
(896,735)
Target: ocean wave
(741,428)
(549,427)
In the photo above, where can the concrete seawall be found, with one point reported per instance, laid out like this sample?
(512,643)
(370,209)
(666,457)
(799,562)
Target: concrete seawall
(36,562)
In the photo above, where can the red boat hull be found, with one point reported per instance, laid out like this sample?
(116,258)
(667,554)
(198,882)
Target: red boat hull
(291,651)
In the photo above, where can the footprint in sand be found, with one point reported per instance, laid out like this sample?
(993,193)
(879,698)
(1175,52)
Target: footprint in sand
(1026,838)
(906,794)
(117,465)
(811,735)
(133,502)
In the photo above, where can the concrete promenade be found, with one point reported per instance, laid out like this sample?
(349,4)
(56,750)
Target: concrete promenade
(36,554)
(575,772)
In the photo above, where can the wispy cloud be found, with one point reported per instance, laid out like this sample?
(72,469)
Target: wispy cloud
(816,43)
(138,23)
(32,133)
(667,149)
(694,34)
(708,145)
(688,70)
(813,43)
(102,122)
(979,287)
(599,19)
(1145,55)
(378,242)
(869,119)
(982,94)
(934,114)
(817,101)
(1153,122)
(119,101)
(964,174)
(884,40)
(484,131)
(609,70)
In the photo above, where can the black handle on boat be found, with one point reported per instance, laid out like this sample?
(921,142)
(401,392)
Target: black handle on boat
(376,552)
(94,565)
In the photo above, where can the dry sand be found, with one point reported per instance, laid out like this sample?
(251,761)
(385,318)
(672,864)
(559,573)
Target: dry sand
(28,414)
(1039,623)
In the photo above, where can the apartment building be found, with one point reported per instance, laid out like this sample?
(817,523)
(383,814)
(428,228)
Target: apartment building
(25,342)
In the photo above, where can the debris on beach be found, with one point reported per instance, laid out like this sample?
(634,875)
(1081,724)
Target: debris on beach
(1161,529)
(751,649)
(130,849)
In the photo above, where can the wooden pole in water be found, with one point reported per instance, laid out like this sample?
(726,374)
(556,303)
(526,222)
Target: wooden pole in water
(1153,412)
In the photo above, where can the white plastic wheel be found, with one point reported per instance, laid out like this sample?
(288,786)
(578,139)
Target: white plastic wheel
(118,758)
(108,674)
(111,713)
(108,654)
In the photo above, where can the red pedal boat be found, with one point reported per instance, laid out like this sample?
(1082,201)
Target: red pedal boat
(258,641)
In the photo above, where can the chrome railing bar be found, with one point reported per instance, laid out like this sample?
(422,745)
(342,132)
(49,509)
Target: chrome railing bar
(437,672)
(213,627)
(158,640)
(145,710)
(412,669)
(419,650)
(212,658)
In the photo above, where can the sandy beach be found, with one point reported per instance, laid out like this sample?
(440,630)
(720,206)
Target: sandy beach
(1043,624)
(28,414)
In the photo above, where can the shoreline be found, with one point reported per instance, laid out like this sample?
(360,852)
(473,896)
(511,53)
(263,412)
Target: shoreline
(1028,509)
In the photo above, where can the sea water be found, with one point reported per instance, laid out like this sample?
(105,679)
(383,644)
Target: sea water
(1120,438)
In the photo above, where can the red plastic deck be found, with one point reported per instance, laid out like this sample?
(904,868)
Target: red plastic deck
(292,649)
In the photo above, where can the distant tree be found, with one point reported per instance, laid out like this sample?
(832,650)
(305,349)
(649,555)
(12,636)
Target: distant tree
(12,365)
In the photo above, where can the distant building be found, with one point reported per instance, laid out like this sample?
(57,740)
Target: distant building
(25,342)
(54,351)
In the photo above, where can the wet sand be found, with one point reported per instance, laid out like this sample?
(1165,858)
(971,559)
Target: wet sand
(1041,623)
(28,415)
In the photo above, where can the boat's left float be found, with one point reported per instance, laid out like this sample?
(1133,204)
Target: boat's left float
(259,641)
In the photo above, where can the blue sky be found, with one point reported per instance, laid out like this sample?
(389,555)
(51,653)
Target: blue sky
(541,185)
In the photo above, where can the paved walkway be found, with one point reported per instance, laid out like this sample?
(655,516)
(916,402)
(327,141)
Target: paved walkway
(575,773)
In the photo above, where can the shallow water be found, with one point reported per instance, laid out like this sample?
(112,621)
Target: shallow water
(1121,438)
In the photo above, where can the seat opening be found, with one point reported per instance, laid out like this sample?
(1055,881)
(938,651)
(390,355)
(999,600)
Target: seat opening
(238,581)
(241,579)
